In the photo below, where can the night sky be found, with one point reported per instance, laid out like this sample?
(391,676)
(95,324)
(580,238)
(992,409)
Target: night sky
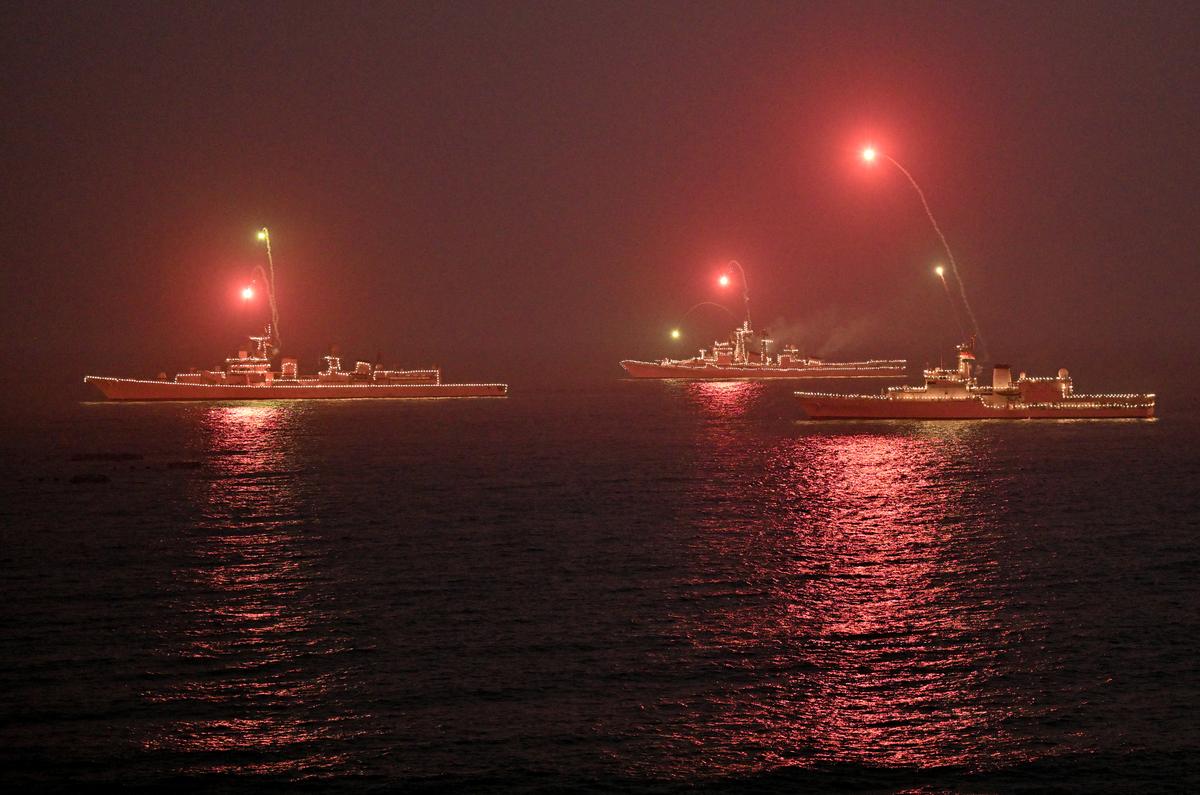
(522,192)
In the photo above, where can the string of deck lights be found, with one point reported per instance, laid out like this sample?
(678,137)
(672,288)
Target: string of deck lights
(987,390)
(300,385)
(1077,402)
(874,364)
(377,375)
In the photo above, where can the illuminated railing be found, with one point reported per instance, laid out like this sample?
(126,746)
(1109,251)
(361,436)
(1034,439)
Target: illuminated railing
(802,364)
(1122,401)
(297,385)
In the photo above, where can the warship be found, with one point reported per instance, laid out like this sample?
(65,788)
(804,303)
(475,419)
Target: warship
(956,394)
(737,359)
(250,375)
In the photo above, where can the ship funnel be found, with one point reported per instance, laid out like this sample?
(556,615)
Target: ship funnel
(1001,377)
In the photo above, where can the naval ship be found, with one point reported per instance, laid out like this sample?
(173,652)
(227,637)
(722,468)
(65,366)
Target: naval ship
(955,394)
(735,359)
(248,376)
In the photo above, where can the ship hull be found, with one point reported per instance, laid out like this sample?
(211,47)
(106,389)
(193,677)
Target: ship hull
(637,369)
(134,389)
(854,407)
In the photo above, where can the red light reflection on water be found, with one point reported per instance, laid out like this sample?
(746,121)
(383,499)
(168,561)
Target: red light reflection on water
(257,634)
(854,600)
(723,398)
(894,635)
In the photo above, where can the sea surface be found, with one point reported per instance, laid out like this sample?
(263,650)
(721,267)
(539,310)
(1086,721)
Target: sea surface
(638,586)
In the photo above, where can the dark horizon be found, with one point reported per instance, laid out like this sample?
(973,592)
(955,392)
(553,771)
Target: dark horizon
(517,191)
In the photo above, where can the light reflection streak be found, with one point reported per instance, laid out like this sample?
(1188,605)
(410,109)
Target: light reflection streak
(722,398)
(849,583)
(257,666)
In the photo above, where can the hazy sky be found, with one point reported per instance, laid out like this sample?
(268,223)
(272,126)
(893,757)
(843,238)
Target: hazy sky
(518,189)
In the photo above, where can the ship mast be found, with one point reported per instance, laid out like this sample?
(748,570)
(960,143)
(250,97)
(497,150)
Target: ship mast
(741,349)
(265,236)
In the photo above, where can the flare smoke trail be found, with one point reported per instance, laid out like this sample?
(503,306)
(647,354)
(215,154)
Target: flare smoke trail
(708,303)
(953,308)
(265,236)
(949,255)
(745,286)
(269,282)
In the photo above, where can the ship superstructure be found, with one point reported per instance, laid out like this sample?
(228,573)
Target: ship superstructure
(747,355)
(956,394)
(248,376)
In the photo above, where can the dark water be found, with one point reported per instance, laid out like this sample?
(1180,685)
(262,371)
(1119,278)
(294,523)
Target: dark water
(642,586)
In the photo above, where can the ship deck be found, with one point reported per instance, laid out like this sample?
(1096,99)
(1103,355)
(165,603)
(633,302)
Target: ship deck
(826,406)
(145,390)
(708,371)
